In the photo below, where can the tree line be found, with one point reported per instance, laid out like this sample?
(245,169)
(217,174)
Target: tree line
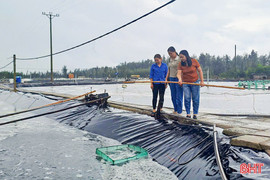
(225,67)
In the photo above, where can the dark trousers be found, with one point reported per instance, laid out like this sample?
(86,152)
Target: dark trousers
(158,89)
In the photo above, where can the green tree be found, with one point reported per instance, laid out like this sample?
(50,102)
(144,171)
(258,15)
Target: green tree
(64,71)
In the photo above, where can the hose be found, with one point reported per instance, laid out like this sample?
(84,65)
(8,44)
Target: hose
(52,112)
(221,171)
(184,163)
(58,102)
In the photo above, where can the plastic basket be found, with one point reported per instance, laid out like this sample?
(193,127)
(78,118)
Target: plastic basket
(108,153)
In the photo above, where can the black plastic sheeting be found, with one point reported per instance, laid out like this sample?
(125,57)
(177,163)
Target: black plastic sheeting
(164,140)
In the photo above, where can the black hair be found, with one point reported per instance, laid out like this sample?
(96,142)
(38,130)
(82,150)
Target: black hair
(172,49)
(158,56)
(185,53)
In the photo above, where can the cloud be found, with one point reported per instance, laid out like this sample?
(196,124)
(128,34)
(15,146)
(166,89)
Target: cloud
(217,38)
(252,25)
(198,26)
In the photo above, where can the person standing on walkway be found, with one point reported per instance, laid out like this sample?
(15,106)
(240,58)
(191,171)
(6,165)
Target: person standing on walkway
(158,72)
(187,72)
(176,89)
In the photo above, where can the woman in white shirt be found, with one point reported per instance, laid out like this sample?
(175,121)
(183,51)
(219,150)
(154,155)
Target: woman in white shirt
(176,89)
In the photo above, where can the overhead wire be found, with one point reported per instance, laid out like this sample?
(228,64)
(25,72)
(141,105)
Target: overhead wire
(101,36)
(44,69)
(6,65)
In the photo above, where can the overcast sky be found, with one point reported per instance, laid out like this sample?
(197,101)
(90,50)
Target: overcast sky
(200,26)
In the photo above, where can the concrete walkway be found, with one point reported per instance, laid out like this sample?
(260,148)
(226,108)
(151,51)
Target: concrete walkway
(250,131)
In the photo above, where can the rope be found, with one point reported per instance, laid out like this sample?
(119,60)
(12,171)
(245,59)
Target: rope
(18,99)
(32,103)
(74,47)
(52,112)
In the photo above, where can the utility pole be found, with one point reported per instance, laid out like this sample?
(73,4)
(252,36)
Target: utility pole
(51,16)
(14,73)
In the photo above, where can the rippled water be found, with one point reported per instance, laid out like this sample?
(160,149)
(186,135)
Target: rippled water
(41,148)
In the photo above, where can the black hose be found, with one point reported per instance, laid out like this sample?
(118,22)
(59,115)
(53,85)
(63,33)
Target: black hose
(241,115)
(24,111)
(184,163)
(52,112)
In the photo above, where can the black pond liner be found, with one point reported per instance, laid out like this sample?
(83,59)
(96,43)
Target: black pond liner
(165,141)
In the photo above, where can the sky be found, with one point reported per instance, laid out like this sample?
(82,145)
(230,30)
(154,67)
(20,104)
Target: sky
(199,26)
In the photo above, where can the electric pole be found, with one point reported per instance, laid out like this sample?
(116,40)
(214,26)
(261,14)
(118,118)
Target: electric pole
(51,16)
(14,73)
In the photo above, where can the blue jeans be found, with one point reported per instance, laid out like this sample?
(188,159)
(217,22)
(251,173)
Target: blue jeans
(192,91)
(176,95)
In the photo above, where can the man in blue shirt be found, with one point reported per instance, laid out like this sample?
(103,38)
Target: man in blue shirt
(158,72)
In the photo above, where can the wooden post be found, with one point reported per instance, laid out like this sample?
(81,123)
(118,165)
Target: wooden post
(14,70)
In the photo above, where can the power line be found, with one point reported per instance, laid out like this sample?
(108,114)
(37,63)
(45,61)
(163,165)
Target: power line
(87,42)
(6,65)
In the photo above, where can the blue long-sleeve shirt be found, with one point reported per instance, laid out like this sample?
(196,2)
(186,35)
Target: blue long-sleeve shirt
(158,73)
